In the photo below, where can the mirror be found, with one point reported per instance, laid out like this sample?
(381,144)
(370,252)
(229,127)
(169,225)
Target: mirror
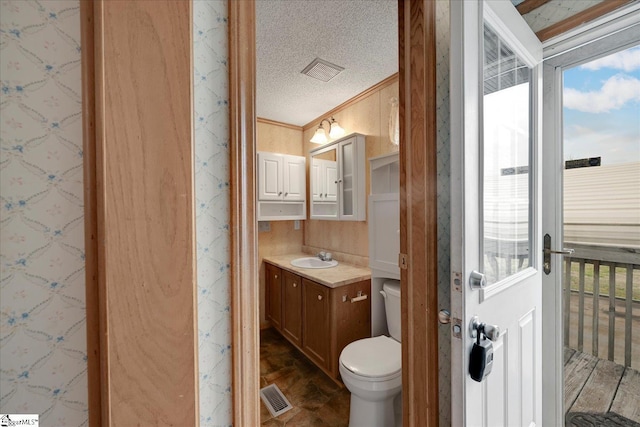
(324,184)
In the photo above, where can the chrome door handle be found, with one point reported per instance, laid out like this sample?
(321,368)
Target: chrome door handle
(564,251)
(491,332)
(546,251)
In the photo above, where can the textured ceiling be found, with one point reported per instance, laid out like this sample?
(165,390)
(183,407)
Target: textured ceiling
(359,35)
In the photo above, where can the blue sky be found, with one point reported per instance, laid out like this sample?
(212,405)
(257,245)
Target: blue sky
(602,109)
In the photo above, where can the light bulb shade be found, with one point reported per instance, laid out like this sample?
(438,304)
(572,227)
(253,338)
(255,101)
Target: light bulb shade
(320,137)
(336,130)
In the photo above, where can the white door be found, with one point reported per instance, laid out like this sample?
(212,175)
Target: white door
(316,184)
(330,179)
(269,176)
(294,178)
(495,208)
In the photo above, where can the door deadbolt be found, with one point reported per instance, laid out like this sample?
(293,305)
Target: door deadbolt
(477,280)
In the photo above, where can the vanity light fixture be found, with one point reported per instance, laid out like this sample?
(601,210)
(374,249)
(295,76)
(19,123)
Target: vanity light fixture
(335,131)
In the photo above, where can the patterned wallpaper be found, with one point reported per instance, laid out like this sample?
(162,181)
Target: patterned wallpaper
(211,122)
(42,311)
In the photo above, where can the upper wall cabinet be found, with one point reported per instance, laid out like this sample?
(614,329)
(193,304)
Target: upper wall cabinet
(338,180)
(281,187)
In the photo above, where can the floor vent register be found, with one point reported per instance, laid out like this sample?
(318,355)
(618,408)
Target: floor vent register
(275,400)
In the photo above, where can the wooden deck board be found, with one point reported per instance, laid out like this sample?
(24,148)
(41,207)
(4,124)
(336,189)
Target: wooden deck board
(627,399)
(577,371)
(568,352)
(599,390)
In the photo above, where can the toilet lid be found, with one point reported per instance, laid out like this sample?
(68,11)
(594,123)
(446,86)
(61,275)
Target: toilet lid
(373,357)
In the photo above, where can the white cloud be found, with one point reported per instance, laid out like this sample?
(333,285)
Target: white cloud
(614,94)
(626,60)
(612,142)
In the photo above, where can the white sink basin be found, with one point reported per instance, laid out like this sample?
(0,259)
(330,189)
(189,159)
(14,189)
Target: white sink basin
(313,262)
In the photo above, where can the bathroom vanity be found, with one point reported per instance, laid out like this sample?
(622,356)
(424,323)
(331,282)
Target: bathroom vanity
(319,311)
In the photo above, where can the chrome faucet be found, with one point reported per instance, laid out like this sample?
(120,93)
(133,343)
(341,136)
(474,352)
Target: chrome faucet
(325,256)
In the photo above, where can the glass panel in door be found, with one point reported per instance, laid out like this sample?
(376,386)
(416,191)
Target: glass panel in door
(507,149)
(347,178)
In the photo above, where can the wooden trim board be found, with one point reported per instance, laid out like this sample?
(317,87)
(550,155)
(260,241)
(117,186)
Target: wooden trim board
(418,211)
(244,241)
(92,299)
(528,5)
(418,225)
(276,123)
(145,212)
(574,21)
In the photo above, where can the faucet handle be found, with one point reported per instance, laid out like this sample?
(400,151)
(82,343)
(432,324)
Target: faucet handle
(322,255)
(328,257)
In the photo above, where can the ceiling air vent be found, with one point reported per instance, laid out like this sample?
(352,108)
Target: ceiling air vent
(322,70)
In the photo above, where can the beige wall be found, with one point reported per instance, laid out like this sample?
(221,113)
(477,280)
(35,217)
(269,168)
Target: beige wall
(368,116)
(282,239)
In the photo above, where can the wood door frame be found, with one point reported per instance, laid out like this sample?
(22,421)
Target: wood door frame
(97,402)
(418,212)
(106,165)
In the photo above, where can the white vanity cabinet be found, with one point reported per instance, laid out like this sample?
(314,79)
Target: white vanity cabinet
(281,187)
(337,175)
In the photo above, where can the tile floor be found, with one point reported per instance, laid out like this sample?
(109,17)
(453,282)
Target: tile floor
(316,399)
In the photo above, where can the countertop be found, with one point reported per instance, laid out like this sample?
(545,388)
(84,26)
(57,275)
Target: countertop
(334,277)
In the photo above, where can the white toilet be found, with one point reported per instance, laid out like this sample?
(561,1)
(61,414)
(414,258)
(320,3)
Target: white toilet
(371,370)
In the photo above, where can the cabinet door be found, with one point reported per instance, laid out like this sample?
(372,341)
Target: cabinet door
(270,176)
(330,179)
(316,180)
(294,178)
(273,291)
(315,320)
(346,178)
(292,307)
(384,232)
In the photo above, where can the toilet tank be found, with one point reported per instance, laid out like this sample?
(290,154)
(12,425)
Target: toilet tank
(391,289)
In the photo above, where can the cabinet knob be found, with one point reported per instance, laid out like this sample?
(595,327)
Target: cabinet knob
(320,194)
(275,276)
(295,285)
(286,194)
(335,182)
(279,193)
(319,297)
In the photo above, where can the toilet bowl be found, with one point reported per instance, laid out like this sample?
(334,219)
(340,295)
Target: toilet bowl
(371,369)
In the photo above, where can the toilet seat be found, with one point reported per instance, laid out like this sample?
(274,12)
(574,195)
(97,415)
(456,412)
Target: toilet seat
(373,359)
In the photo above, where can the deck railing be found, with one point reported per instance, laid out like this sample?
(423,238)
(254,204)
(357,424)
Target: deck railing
(597,276)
